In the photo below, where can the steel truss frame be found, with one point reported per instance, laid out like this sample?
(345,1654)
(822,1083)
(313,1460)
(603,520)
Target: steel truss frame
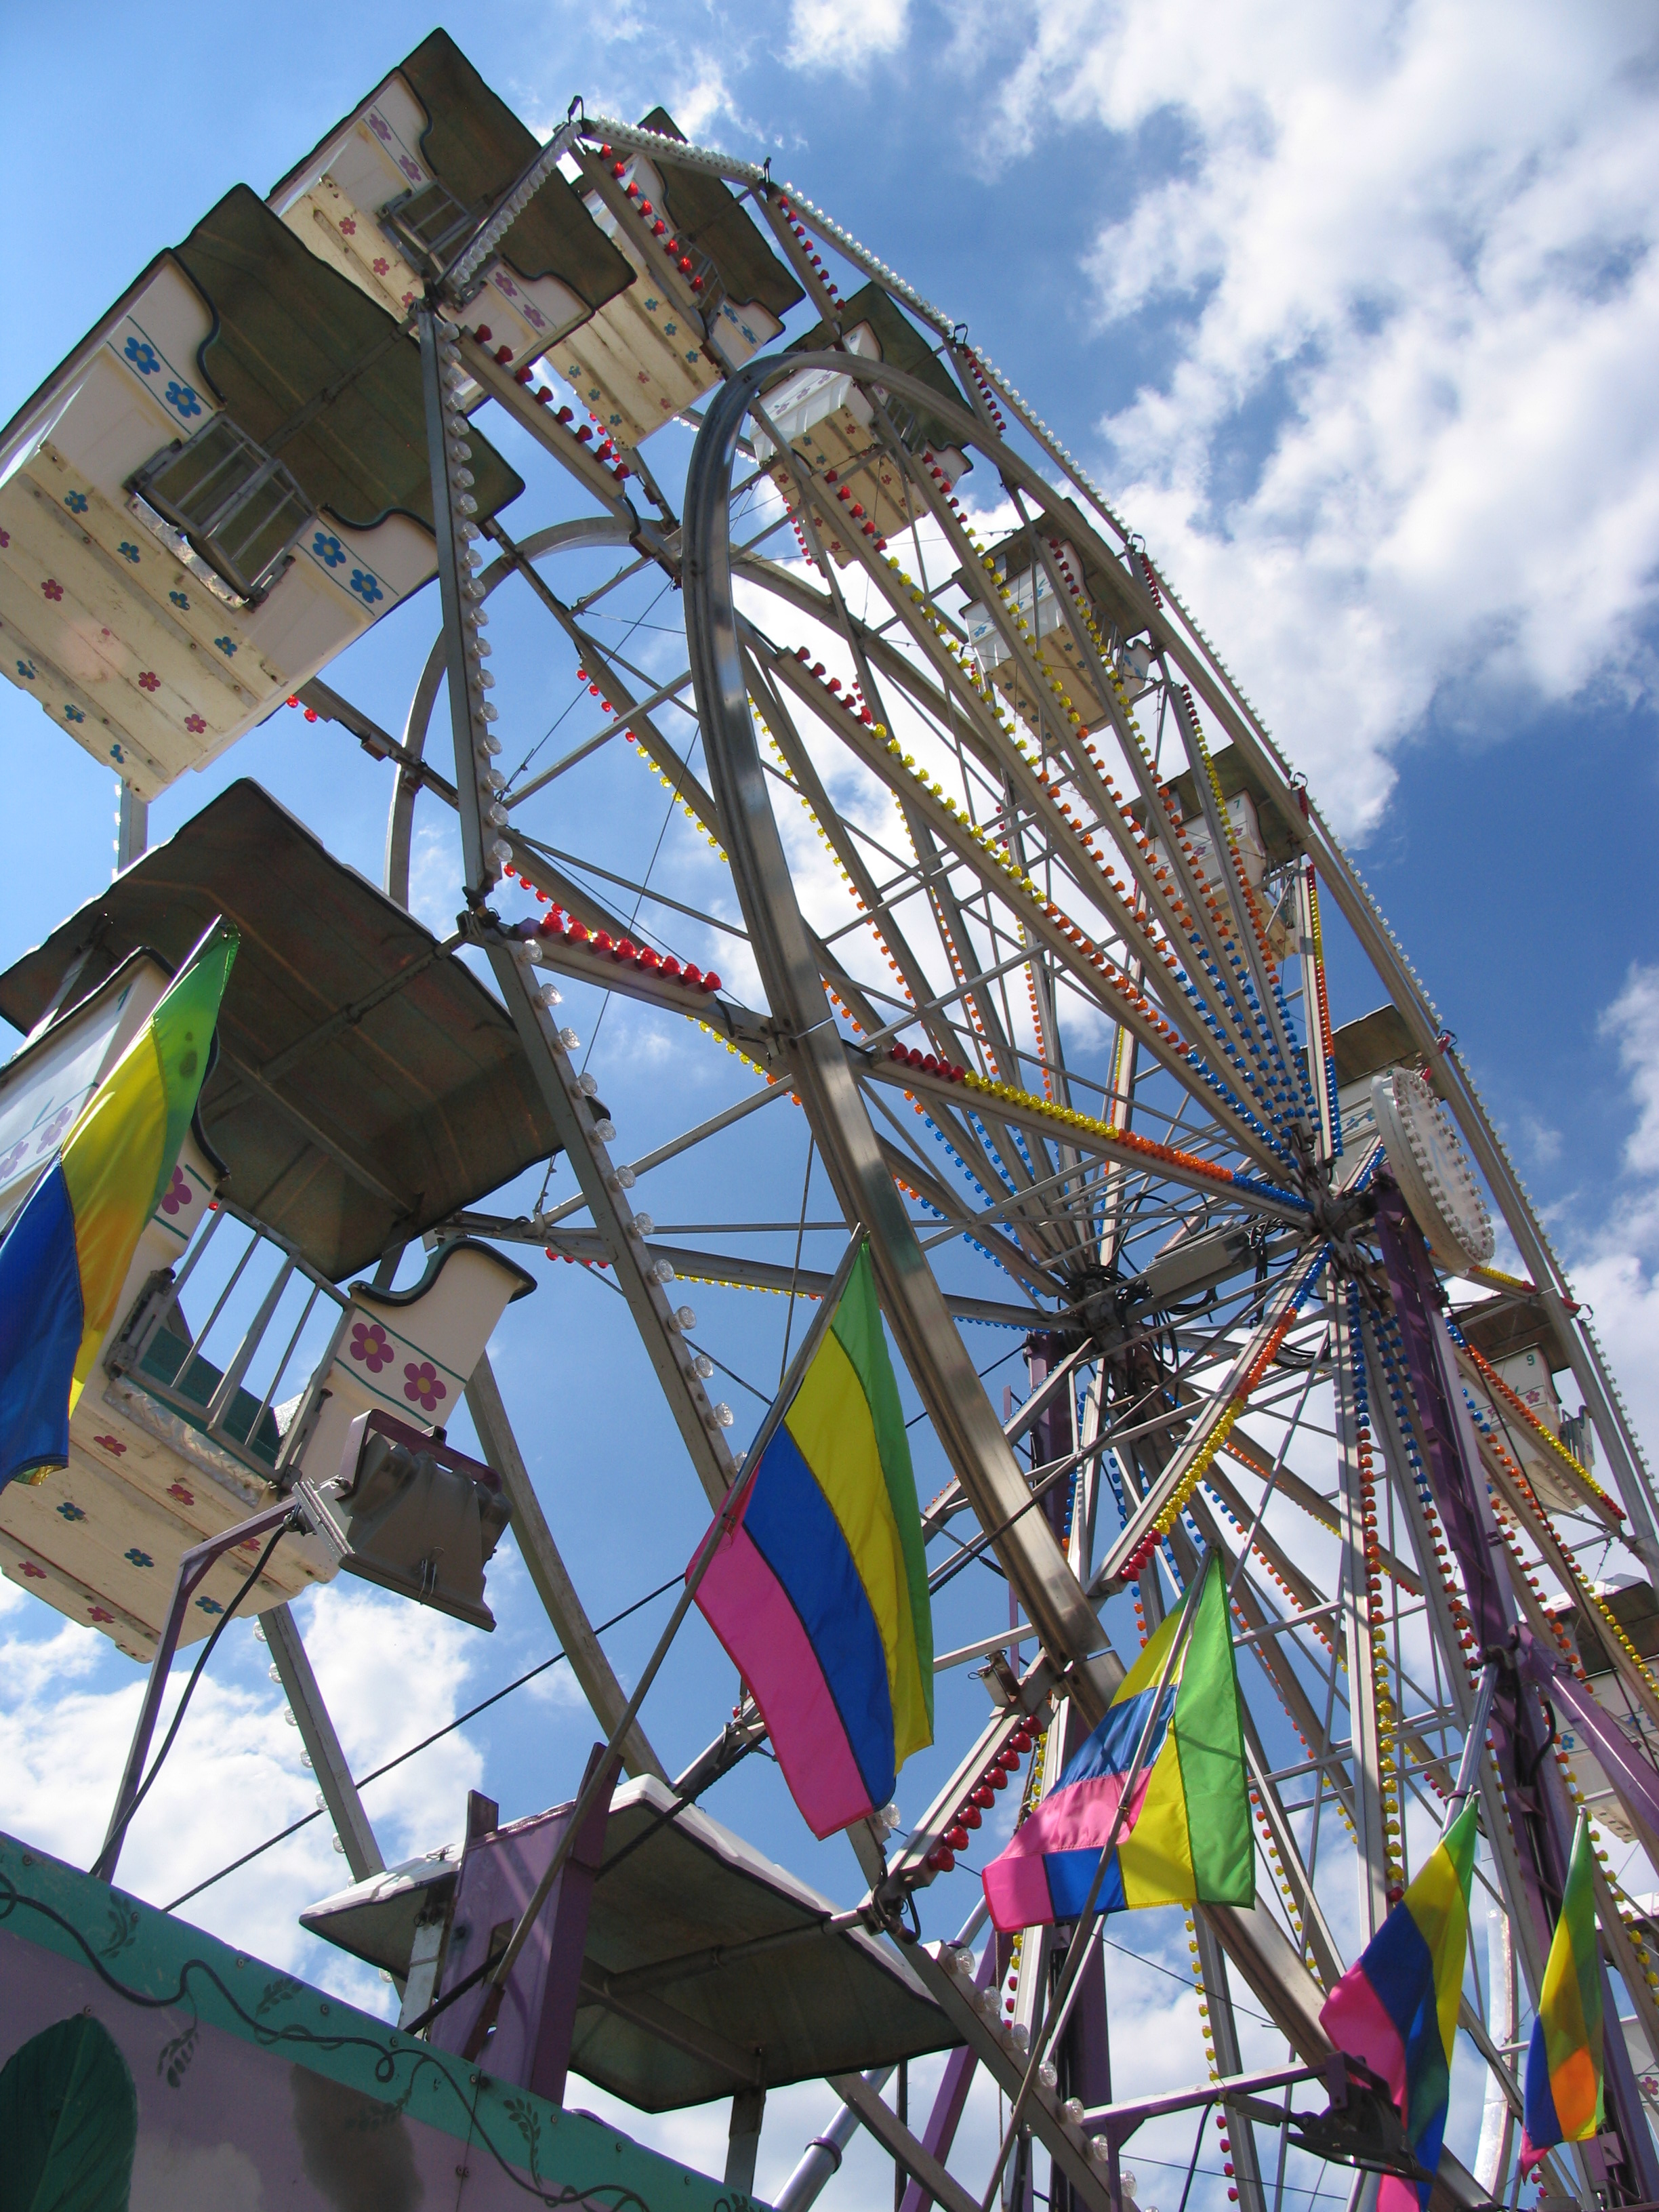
(1301,1254)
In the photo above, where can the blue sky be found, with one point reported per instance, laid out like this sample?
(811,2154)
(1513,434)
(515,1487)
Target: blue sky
(1352,312)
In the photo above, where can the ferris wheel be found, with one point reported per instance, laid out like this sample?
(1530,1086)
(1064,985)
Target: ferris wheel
(1036,913)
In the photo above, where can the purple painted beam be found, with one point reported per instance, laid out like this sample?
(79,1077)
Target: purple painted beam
(1539,1812)
(952,2096)
(530,2042)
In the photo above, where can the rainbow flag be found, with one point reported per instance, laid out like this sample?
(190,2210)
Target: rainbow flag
(818,1586)
(66,1253)
(1186,1835)
(1395,2009)
(1563,2095)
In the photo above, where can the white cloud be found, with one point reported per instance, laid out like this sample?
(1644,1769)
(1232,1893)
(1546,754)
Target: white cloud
(1616,1269)
(1408,250)
(843,34)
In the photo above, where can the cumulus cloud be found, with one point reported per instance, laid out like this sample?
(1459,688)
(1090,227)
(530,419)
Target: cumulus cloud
(1616,1267)
(843,34)
(1401,459)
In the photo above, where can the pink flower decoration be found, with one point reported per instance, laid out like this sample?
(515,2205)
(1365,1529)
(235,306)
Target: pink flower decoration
(423,1387)
(110,1443)
(150,681)
(52,588)
(13,1156)
(97,1613)
(381,266)
(5,537)
(177,1191)
(347,227)
(369,1344)
(195,725)
(35,1574)
(412,169)
(185,1497)
(380,130)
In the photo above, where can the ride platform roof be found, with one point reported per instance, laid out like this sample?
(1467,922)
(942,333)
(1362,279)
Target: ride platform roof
(477,149)
(673,2012)
(366,1085)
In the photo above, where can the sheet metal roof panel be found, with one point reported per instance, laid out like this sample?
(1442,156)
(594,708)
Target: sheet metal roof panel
(352,1108)
(288,327)
(703,209)
(836,2001)
(477,148)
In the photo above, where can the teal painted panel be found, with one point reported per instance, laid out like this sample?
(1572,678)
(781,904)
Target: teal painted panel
(233,2059)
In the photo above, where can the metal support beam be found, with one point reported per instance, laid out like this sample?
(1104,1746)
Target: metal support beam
(743,2139)
(132,826)
(1361,1614)
(1223,2030)
(820,2162)
(889,2132)
(328,1760)
(588,1663)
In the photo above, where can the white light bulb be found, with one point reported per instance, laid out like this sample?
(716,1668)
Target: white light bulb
(686,1318)
(704,1366)
(587,1084)
(605,1132)
(664,1271)
(551,995)
(569,1040)
(645,1223)
(723,1414)
(624,1178)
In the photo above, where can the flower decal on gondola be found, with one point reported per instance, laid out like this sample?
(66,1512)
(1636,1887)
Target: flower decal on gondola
(178,1193)
(144,358)
(75,502)
(11,1160)
(423,1387)
(54,1129)
(366,587)
(328,549)
(139,1559)
(72,1512)
(370,1345)
(182,398)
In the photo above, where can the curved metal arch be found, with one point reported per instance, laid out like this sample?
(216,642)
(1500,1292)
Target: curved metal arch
(588,530)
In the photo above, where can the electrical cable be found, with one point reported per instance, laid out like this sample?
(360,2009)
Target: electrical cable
(448,1729)
(219,1628)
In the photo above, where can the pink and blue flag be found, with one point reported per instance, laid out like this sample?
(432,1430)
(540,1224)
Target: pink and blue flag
(818,1586)
(1184,1838)
(1396,2007)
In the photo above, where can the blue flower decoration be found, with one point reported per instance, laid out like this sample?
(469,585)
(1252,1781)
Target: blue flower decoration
(139,1559)
(128,550)
(73,714)
(179,599)
(328,549)
(208,1605)
(183,399)
(650,306)
(226,646)
(26,670)
(365,587)
(142,357)
(116,753)
(75,502)
(72,1512)
(671,330)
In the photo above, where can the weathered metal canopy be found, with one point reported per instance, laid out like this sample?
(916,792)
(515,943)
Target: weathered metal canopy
(367,1084)
(674,2010)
